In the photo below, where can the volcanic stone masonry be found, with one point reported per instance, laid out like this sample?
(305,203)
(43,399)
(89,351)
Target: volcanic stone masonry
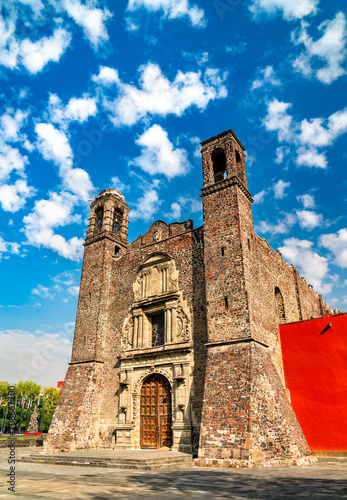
(177,342)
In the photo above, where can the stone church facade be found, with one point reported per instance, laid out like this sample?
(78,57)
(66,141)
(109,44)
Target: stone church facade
(177,334)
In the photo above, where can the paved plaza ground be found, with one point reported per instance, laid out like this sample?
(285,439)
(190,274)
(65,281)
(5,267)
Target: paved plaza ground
(327,478)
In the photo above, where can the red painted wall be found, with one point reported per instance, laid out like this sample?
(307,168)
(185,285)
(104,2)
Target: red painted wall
(315,369)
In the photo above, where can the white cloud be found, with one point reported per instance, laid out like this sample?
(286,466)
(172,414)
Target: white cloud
(42,291)
(278,120)
(43,358)
(279,188)
(118,185)
(309,219)
(172,9)
(308,136)
(195,205)
(77,109)
(146,206)
(73,290)
(281,153)
(310,157)
(158,154)
(175,213)
(267,76)
(61,283)
(281,227)
(156,95)
(313,133)
(312,265)
(337,244)
(324,57)
(259,197)
(7,247)
(13,197)
(11,123)
(11,159)
(91,19)
(49,214)
(196,141)
(36,55)
(54,145)
(106,77)
(290,9)
(307,200)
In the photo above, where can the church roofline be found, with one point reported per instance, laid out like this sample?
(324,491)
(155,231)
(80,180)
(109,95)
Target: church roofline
(221,135)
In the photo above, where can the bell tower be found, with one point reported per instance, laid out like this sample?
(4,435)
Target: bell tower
(109,216)
(242,387)
(78,422)
(106,241)
(228,226)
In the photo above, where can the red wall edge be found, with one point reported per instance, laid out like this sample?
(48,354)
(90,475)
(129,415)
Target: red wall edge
(315,369)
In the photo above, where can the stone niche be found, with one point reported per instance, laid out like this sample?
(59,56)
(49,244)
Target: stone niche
(156,339)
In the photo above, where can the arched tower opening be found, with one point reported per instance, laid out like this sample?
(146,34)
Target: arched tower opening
(219,165)
(117,220)
(99,219)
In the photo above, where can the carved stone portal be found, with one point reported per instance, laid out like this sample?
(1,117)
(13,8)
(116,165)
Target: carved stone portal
(156,295)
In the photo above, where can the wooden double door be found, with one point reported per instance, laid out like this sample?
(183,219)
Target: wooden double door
(156,416)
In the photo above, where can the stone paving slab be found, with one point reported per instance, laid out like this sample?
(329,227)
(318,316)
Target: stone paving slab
(326,479)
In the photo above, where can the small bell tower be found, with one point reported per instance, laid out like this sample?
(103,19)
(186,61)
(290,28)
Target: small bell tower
(109,217)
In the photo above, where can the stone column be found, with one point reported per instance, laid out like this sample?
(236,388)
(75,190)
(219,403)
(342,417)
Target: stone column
(140,331)
(168,327)
(173,324)
(136,331)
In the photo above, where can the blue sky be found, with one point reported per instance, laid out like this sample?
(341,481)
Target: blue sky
(97,94)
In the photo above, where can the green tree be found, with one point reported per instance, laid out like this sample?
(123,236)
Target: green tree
(28,388)
(51,396)
(4,388)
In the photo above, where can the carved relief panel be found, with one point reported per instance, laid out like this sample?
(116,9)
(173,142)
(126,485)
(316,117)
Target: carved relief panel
(159,314)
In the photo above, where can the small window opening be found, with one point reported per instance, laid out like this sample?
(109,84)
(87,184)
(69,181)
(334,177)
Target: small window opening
(222,251)
(237,157)
(249,244)
(99,219)
(90,294)
(219,165)
(117,219)
(226,304)
(116,250)
(279,306)
(158,330)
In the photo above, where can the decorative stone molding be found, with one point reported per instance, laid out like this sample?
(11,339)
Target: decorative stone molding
(150,371)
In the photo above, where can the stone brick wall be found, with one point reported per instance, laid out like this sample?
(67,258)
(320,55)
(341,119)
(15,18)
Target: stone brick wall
(76,419)
(247,418)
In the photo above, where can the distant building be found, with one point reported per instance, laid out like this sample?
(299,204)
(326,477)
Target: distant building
(177,339)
